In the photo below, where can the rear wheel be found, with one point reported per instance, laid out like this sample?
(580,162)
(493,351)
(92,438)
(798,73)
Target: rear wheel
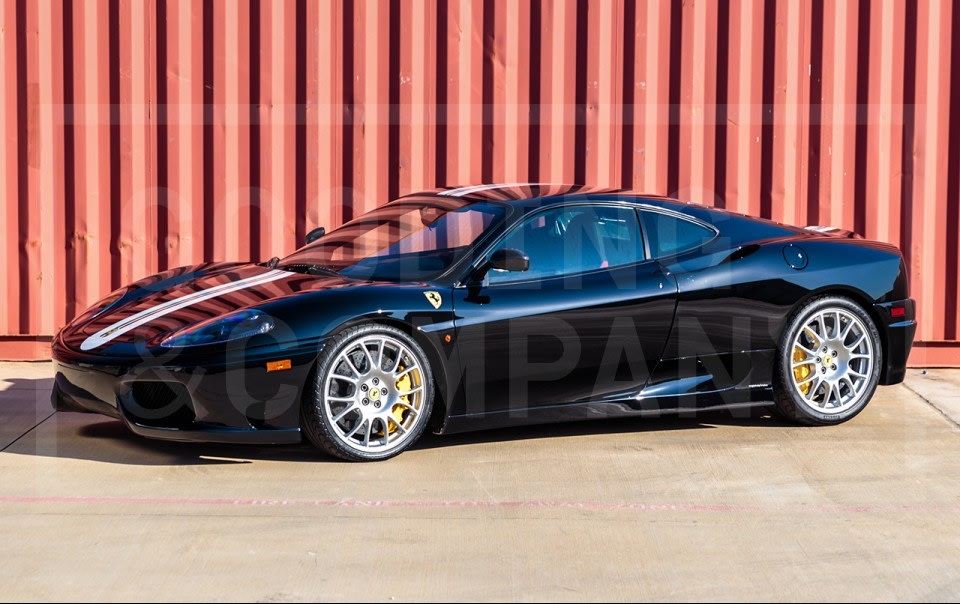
(829,364)
(372,394)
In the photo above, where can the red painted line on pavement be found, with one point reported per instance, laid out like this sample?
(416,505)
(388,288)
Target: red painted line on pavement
(533,504)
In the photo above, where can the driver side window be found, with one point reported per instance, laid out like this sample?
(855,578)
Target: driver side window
(566,241)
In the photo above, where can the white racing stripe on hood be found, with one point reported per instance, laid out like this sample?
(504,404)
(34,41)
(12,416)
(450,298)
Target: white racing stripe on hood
(132,322)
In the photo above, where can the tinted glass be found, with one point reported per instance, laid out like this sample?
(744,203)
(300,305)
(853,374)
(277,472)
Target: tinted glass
(409,240)
(573,240)
(670,235)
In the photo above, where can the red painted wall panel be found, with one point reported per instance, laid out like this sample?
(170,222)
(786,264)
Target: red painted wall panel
(141,135)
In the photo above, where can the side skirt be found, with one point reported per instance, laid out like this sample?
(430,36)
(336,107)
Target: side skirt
(649,407)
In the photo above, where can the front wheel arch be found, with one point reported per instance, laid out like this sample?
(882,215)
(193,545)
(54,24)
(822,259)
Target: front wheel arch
(438,415)
(330,417)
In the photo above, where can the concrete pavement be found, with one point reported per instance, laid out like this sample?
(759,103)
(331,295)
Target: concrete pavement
(716,507)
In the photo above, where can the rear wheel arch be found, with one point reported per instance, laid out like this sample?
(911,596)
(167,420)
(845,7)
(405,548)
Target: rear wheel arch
(857,296)
(797,405)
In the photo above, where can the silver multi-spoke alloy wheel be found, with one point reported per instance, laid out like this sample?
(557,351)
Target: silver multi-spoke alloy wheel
(373,394)
(830,363)
(832,360)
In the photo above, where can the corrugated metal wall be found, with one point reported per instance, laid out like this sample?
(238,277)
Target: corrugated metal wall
(137,135)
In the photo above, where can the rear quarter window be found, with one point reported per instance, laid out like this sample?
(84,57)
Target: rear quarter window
(669,235)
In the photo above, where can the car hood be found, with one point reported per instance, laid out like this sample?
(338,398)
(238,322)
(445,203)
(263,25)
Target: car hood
(170,301)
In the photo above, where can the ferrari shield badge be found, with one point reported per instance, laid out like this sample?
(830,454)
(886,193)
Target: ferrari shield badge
(434,298)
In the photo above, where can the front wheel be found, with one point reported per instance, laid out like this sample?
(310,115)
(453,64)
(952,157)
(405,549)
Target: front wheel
(829,364)
(372,394)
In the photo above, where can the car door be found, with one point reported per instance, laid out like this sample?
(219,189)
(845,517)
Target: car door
(586,322)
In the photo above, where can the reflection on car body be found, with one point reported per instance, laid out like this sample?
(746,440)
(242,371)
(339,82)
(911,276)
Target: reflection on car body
(462,309)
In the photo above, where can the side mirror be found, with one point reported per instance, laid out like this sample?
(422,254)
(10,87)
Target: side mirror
(315,234)
(509,259)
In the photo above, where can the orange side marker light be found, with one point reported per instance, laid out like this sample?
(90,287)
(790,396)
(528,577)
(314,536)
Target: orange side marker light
(279,365)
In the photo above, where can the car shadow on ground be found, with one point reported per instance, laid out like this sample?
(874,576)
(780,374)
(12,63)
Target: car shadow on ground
(29,426)
(97,438)
(757,416)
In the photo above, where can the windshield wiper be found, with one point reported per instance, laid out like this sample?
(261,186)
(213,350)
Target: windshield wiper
(310,269)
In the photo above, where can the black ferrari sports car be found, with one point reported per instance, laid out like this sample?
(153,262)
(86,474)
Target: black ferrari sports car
(496,305)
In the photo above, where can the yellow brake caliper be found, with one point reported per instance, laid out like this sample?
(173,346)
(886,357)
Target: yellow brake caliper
(801,372)
(398,412)
(404,384)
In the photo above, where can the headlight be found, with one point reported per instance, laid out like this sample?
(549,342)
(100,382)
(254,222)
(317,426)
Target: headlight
(234,326)
(101,306)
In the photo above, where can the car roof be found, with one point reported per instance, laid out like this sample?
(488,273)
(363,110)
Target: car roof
(532,195)
(528,197)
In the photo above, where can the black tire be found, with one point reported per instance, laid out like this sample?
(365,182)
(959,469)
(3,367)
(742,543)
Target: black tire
(314,419)
(789,402)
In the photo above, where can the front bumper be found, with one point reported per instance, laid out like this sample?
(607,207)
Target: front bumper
(236,404)
(897,334)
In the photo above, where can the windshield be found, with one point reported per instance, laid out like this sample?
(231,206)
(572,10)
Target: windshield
(410,240)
